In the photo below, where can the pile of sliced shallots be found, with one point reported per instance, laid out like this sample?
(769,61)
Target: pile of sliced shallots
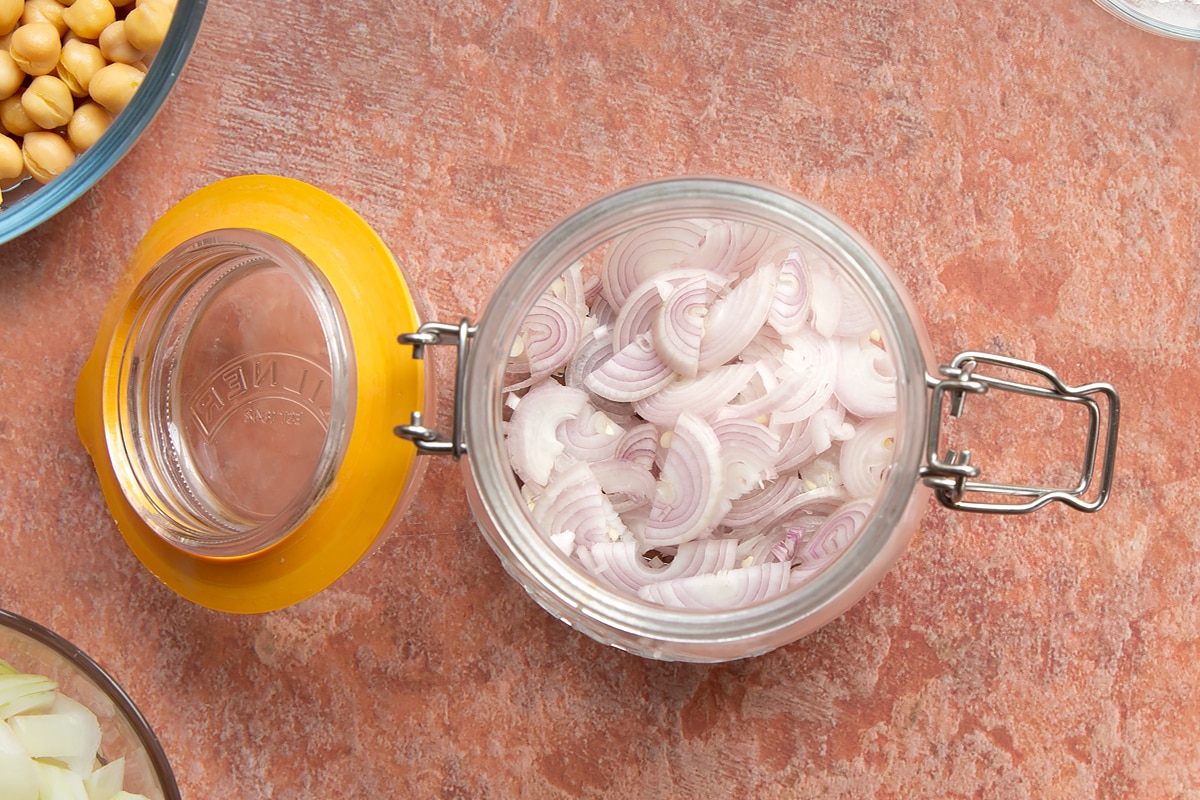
(707,421)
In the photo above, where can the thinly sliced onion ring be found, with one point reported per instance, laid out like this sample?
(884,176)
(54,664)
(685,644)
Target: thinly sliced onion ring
(749,451)
(837,534)
(757,505)
(679,325)
(866,456)
(572,502)
(806,440)
(621,564)
(866,382)
(735,319)
(640,445)
(731,588)
(531,432)
(627,484)
(590,436)
(634,372)
(550,336)
(790,303)
(688,502)
(595,349)
(645,252)
(703,396)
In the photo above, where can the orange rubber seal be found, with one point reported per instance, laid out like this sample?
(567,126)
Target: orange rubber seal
(379,471)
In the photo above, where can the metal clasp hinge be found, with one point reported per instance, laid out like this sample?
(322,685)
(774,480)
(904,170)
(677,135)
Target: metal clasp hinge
(430,440)
(953,477)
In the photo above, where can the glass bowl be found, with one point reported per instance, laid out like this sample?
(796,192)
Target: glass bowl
(25,208)
(1177,19)
(32,648)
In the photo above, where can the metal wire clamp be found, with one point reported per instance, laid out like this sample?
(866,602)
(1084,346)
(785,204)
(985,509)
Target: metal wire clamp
(954,476)
(430,440)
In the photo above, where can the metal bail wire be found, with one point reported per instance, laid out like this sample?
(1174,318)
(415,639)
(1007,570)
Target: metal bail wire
(954,476)
(430,440)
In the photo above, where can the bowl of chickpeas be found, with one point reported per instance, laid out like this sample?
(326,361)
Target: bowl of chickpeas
(80,80)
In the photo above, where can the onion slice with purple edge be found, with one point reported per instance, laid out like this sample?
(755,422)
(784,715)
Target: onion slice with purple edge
(731,588)
(640,313)
(639,445)
(645,252)
(704,395)
(572,503)
(634,372)
(621,565)
(596,348)
(532,430)
(733,321)
(549,337)
(749,451)
(627,484)
(810,367)
(679,325)
(590,436)
(866,381)
(688,502)
(804,441)
(789,304)
(838,533)
(759,504)
(866,457)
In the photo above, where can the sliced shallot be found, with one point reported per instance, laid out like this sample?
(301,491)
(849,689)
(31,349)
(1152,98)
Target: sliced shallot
(729,588)
(688,502)
(706,422)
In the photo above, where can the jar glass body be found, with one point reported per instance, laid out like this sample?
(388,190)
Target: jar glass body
(562,587)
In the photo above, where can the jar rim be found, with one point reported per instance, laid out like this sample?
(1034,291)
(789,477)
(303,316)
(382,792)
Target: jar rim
(563,587)
(176,457)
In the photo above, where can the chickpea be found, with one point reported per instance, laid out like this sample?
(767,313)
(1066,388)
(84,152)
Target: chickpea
(48,102)
(10,14)
(146,26)
(78,63)
(87,125)
(115,46)
(45,11)
(46,155)
(114,86)
(13,117)
(11,162)
(89,17)
(11,76)
(36,48)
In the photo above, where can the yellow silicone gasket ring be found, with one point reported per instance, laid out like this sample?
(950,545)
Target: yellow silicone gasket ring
(379,471)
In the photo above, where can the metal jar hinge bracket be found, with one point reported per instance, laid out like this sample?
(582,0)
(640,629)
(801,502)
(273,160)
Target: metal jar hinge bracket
(430,440)
(954,476)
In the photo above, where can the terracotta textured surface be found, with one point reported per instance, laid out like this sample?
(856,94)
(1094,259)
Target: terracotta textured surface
(1031,170)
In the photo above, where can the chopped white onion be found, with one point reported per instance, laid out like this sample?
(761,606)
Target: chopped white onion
(50,750)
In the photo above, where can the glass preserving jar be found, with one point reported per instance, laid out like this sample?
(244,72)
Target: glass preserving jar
(157,400)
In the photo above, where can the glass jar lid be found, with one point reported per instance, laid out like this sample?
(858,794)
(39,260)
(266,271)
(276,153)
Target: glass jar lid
(238,404)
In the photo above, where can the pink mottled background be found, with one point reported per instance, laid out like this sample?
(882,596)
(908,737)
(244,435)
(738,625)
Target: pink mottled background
(1031,170)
